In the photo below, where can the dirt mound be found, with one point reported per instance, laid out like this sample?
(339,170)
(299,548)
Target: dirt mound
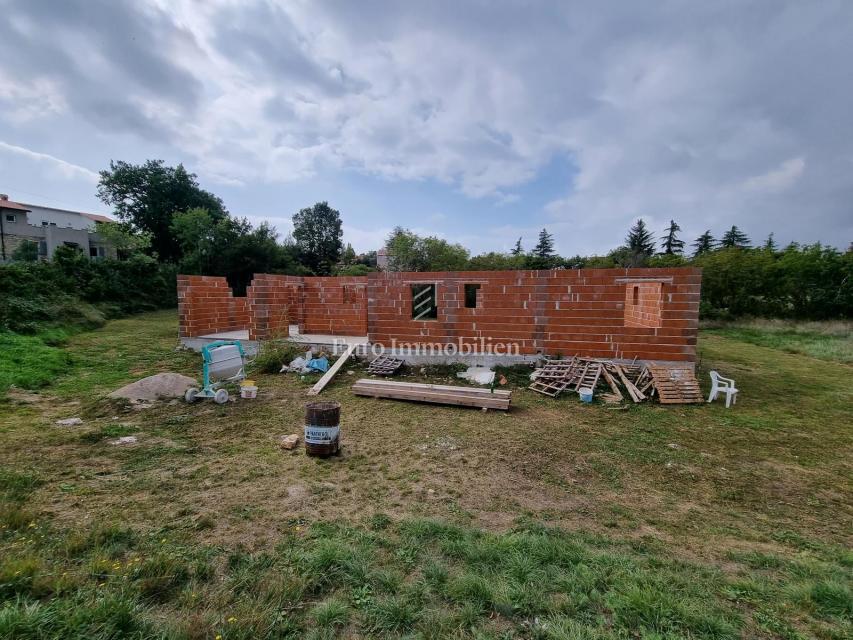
(162,385)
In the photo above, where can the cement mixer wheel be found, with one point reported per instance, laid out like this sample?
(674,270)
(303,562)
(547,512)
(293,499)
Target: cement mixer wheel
(221,396)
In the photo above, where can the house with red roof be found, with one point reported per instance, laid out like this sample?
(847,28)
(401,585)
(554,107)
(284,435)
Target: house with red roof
(50,228)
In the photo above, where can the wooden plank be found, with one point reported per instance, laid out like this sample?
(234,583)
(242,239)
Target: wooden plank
(613,386)
(440,394)
(333,370)
(477,391)
(635,394)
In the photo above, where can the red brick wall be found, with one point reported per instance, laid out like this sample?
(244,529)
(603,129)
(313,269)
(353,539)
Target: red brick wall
(206,305)
(568,311)
(643,302)
(274,304)
(335,305)
(588,312)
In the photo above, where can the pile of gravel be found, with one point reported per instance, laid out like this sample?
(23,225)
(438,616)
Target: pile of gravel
(162,385)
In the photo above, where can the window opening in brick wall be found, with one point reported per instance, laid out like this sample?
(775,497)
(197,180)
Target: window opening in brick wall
(424,302)
(636,298)
(471,295)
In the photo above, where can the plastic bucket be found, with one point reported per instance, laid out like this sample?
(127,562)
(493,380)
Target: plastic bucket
(585,394)
(248,391)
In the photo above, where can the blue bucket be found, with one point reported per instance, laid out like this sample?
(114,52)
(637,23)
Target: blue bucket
(585,394)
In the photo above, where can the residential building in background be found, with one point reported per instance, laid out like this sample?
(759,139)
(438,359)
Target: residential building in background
(50,228)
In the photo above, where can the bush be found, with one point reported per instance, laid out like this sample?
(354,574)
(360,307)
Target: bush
(77,293)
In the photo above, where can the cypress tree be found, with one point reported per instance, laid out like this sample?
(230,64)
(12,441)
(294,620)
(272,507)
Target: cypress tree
(517,250)
(770,243)
(703,244)
(671,244)
(640,240)
(734,237)
(545,247)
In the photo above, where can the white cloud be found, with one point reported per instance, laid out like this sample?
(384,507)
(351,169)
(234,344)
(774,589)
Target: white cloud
(777,179)
(664,113)
(66,169)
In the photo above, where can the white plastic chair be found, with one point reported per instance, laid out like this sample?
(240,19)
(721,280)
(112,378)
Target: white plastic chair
(723,385)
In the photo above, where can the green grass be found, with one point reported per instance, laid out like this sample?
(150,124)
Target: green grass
(826,341)
(28,362)
(555,521)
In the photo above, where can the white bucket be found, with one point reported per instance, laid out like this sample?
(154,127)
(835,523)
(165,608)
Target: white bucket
(248,391)
(585,394)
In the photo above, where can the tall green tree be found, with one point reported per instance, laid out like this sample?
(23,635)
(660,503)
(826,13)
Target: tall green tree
(148,195)
(734,237)
(704,244)
(348,256)
(408,251)
(318,233)
(770,243)
(640,240)
(671,244)
(517,250)
(545,246)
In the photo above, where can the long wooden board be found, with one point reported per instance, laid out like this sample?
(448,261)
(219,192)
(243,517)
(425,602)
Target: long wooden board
(435,393)
(333,370)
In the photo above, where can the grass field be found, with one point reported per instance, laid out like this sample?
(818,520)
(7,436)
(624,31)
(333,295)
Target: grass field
(556,521)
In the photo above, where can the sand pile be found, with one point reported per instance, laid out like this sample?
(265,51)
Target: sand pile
(162,385)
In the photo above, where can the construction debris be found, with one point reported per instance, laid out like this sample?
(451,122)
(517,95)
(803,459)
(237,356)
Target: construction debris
(161,385)
(327,377)
(437,393)
(289,442)
(384,366)
(477,375)
(673,384)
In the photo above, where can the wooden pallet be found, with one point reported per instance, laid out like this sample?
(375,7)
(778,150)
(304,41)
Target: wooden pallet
(588,377)
(675,385)
(555,377)
(436,393)
(384,366)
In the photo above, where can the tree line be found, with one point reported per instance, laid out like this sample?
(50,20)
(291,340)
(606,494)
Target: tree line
(165,218)
(810,281)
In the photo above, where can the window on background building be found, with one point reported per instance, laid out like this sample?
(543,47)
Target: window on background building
(10,217)
(424,302)
(43,248)
(471,295)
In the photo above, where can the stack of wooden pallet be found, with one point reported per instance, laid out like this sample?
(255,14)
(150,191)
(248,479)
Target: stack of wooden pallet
(437,393)
(673,384)
(384,366)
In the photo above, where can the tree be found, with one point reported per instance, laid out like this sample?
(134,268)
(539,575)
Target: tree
(317,232)
(704,244)
(517,249)
(770,244)
(126,241)
(348,256)
(640,240)
(27,251)
(147,196)
(544,247)
(671,244)
(496,261)
(409,252)
(734,237)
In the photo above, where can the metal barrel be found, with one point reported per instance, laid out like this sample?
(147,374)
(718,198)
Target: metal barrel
(322,428)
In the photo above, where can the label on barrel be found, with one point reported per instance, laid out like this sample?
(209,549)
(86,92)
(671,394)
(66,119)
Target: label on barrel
(321,435)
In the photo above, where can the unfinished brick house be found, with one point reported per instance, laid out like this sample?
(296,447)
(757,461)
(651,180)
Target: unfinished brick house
(648,314)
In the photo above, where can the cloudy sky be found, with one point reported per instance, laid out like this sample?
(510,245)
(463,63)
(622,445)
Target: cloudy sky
(476,121)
